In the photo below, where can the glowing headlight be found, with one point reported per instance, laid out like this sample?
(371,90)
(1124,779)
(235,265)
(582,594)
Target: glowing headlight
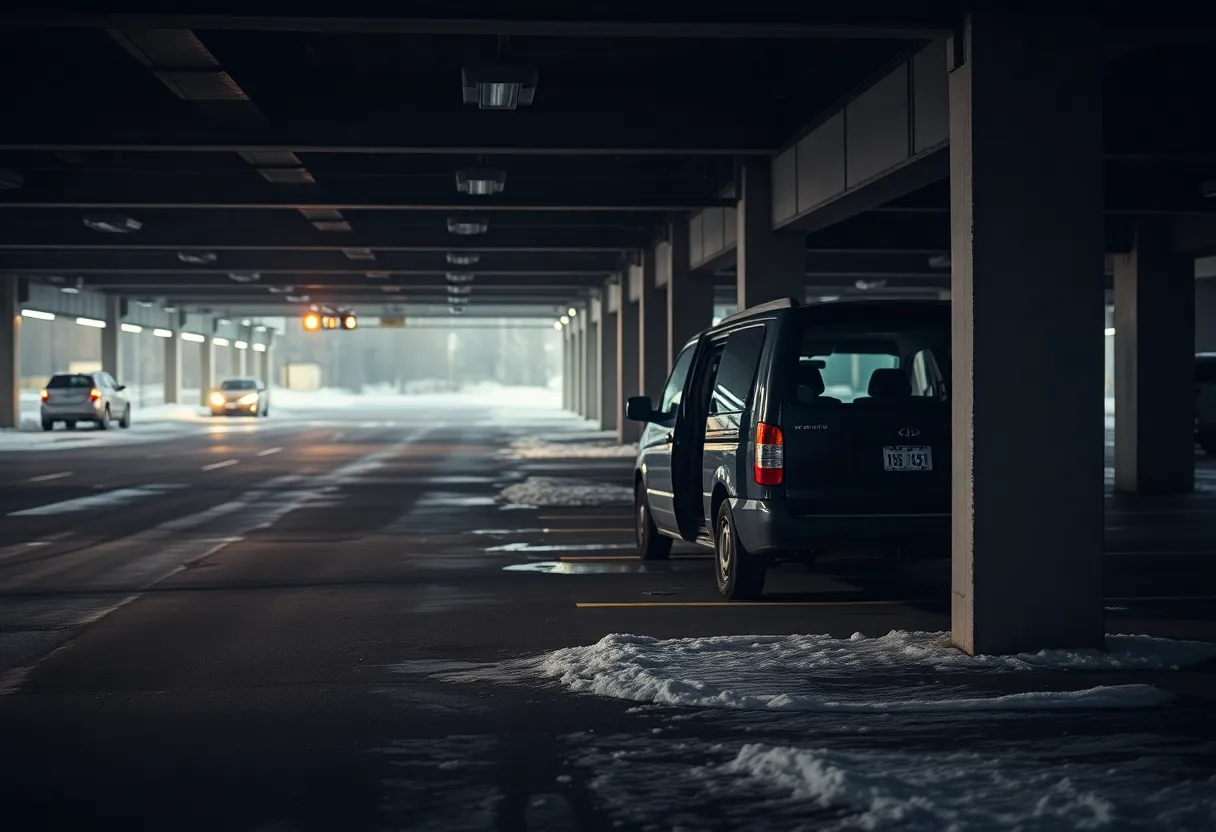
(251,398)
(217,399)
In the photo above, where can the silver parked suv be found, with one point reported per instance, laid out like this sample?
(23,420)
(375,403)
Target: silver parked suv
(84,397)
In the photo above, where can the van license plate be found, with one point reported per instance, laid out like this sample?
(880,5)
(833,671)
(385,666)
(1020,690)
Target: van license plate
(907,458)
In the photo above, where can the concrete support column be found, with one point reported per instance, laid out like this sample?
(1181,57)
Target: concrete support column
(1205,315)
(653,362)
(111,338)
(608,358)
(206,369)
(627,360)
(242,361)
(771,264)
(566,367)
(173,367)
(577,364)
(690,297)
(265,368)
(1154,320)
(591,365)
(10,352)
(1027,248)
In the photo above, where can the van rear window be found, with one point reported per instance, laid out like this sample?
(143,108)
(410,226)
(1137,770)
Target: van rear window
(61,381)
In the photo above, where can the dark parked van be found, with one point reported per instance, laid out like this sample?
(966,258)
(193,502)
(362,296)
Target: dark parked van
(789,429)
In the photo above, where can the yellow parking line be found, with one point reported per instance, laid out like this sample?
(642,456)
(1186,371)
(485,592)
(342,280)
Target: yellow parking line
(574,558)
(585,517)
(614,604)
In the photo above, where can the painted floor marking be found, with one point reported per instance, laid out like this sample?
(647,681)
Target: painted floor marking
(49,477)
(223,464)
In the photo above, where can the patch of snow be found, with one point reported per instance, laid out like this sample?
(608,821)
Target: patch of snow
(1031,787)
(808,672)
(535,448)
(561,491)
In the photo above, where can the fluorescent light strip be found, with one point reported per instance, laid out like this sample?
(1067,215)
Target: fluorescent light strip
(193,336)
(93,322)
(241,345)
(162,333)
(259,348)
(1110,330)
(132,328)
(220,342)
(34,313)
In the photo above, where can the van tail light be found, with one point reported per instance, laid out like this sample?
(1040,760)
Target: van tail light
(770,454)
(46,394)
(94,394)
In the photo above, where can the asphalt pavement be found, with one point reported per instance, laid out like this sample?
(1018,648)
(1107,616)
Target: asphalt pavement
(308,622)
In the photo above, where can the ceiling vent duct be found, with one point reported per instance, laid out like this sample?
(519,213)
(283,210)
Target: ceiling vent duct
(460,277)
(498,87)
(481,181)
(112,223)
(197,258)
(321,213)
(10,180)
(332,225)
(287,176)
(244,277)
(468,226)
(457,259)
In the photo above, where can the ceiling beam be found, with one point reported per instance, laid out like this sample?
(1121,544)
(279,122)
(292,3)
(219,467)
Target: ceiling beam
(893,25)
(301,236)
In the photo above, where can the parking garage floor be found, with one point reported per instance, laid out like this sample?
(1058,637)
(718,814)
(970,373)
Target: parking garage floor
(331,620)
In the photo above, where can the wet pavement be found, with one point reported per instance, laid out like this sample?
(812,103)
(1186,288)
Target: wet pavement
(342,634)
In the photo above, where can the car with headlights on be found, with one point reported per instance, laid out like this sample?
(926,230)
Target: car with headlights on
(84,397)
(240,397)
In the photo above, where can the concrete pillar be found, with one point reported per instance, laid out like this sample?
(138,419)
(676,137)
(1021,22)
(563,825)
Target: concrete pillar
(566,367)
(591,365)
(111,338)
(173,367)
(770,264)
(1154,332)
(242,361)
(10,352)
(264,366)
(206,369)
(578,366)
(627,360)
(653,362)
(690,297)
(1205,315)
(1027,255)
(608,358)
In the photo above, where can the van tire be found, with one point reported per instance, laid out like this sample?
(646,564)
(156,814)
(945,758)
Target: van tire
(651,544)
(740,575)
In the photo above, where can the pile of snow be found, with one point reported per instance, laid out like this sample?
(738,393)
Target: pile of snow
(535,448)
(809,672)
(561,491)
(1056,783)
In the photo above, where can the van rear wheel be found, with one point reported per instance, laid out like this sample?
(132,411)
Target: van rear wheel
(740,575)
(651,544)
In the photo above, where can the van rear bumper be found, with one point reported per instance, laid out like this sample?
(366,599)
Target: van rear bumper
(766,527)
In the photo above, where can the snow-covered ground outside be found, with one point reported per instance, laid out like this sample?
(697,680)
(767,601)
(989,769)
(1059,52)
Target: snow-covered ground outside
(562,491)
(571,445)
(806,672)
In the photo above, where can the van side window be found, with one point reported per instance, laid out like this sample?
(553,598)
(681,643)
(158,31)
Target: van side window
(674,390)
(737,370)
(927,377)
